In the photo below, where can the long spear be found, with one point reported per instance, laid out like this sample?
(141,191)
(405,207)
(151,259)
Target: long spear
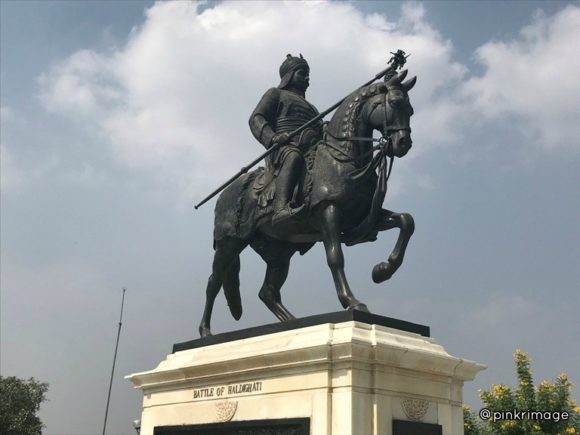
(397,61)
(114,359)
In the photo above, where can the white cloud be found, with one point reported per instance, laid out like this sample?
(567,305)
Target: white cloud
(533,79)
(175,100)
(80,85)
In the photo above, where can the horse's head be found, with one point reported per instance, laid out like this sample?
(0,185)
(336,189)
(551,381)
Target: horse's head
(389,111)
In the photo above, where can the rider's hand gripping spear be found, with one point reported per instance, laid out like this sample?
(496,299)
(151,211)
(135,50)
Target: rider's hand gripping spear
(396,62)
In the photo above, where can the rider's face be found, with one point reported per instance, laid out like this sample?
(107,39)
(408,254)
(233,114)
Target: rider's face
(301,79)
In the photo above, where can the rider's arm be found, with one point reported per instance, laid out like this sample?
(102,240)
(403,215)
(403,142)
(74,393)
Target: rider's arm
(261,120)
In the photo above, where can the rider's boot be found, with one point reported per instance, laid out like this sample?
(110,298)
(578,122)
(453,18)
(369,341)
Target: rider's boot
(284,209)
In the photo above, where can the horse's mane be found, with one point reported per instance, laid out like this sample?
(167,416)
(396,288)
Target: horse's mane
(344,122)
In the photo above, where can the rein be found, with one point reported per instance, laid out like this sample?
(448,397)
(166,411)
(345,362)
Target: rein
(385,151)
(385,146)
(364,228)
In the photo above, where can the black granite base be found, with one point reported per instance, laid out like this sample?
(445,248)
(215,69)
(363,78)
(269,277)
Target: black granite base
(284,426)
(338,317)
(401,427)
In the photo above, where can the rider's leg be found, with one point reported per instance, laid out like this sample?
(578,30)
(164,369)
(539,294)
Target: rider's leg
(286,181)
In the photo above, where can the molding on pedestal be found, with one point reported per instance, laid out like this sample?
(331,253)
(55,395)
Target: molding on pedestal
(347,378)
(319,319)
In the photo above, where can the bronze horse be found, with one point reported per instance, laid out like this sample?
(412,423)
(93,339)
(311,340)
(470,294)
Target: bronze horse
(343,189)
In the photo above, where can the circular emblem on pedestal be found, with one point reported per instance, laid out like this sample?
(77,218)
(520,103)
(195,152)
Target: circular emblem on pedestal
(225,411)
(415,409)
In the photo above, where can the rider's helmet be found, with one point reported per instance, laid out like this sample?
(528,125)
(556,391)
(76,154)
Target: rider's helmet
(290,65)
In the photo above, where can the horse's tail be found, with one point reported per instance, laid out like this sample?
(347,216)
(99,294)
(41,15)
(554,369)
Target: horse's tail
(231,284)
(235,221)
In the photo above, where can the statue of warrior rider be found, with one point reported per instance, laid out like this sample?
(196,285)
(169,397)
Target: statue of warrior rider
(280,111)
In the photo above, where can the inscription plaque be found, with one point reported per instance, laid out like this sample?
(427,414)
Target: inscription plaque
(283,426)
(227,390)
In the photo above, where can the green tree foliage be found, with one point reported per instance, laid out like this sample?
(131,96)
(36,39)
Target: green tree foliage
(471,425)
(547,397)
(19,402)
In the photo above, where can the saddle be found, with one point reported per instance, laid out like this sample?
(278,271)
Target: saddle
(247,203)
(264,186)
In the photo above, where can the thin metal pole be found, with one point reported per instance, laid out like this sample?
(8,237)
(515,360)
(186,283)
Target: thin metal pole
(114,360)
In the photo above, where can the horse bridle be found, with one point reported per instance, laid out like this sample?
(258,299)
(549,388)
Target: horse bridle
(384,147)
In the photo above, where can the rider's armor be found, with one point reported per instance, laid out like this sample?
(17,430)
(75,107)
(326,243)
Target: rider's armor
(282,111)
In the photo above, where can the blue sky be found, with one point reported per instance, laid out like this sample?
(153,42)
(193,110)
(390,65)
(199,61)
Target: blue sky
(112,126)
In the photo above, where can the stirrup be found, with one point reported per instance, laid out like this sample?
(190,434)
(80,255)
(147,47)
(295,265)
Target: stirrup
(286,213)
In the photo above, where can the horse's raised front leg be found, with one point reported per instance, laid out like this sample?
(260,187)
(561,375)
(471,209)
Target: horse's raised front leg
(330,226)
(276,274)
(225,257)
(389,220)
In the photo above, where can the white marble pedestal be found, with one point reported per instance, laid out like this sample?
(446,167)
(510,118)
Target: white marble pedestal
(350,377)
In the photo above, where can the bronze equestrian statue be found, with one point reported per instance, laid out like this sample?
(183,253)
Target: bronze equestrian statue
(320,185)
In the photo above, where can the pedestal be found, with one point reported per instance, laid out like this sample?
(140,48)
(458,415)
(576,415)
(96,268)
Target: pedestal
(336,374)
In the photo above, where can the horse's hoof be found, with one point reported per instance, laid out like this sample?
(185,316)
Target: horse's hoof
(382,272)
(236,310)
(204,332)
(360,307)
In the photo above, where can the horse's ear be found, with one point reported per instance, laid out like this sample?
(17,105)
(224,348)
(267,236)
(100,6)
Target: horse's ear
(408,85)
(396,80)
(402,75)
